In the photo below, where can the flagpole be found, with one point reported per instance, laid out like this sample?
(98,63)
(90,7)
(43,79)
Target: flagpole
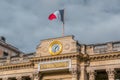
(63,30)
(63,25)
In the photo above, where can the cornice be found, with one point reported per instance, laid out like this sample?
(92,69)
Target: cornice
(17,66)
(57,57)
(6,45)
(105,56)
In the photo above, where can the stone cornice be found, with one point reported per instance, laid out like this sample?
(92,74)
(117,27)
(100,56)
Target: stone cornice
(65,56)
(106,56)
(17,66)
(10,47)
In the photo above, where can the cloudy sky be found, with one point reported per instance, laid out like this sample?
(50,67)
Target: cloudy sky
(25,22)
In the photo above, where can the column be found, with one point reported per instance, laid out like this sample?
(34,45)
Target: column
(92,75)
(74,74)
(83,73)
(111,73)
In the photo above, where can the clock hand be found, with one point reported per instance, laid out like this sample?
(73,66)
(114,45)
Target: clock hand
(56,47)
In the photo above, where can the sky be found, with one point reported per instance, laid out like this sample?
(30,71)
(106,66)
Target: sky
(25,22)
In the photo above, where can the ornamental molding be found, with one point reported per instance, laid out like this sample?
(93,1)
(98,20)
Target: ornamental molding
(18,75)
(17,66)
(106,56)
(57,57)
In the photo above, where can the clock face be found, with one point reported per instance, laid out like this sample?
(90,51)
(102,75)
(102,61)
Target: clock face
(55,48)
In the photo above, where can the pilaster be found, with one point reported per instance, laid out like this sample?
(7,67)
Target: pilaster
(83,73)
(74,74)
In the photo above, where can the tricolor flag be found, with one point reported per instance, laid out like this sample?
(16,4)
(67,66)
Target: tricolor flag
(57,15)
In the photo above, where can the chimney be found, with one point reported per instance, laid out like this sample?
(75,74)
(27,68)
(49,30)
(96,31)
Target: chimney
(2,38)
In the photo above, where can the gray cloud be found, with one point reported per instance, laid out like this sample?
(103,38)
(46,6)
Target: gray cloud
(25,22)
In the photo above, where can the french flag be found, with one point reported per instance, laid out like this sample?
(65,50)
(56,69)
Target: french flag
(57,15)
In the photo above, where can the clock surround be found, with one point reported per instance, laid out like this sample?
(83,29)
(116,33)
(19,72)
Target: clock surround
(55,47)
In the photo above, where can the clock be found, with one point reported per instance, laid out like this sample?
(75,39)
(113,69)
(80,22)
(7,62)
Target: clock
(55,48)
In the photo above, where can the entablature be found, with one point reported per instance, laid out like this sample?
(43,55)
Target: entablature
(17,66)
(63,56)
(105,56)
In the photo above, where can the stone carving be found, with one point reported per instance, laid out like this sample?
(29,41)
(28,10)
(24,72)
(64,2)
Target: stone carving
(75,73)
(37,75)
(111,73)
(92,75)
(45,49)
(67,46)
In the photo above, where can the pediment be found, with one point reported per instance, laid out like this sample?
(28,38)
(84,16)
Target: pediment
(69,45)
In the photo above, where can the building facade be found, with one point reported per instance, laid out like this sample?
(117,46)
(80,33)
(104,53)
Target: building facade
(7,49)
(61,58)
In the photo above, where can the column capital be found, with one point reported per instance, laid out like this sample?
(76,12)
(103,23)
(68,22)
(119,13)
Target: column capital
(92,72)
(92,75)
(111,73)
(74,72)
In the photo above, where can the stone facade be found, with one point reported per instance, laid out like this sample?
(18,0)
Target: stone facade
(7,50)
(75,62)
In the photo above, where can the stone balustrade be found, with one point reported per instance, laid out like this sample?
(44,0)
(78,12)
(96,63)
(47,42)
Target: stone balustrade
(14,60)
(102,48)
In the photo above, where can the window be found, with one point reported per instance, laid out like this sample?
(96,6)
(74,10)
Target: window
(5,54)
